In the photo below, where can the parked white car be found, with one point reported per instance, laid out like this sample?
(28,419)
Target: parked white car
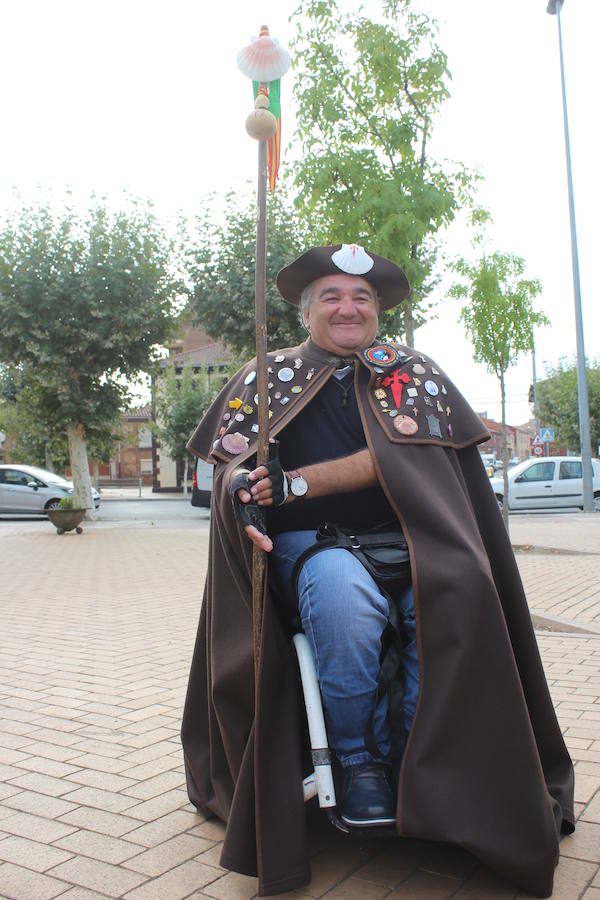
(27,490)
(550,483)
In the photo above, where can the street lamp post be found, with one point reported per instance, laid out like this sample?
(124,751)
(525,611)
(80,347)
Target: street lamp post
(554,7)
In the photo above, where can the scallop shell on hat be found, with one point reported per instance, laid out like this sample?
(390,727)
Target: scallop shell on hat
(352,259)
(263,59)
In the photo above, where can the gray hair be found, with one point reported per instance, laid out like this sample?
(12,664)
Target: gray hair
(306,298)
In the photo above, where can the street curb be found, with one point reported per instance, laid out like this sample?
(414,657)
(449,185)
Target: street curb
(556,624)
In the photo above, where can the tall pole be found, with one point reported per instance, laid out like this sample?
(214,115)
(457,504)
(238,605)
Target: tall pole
(554,8)
(265,62)
(262,450)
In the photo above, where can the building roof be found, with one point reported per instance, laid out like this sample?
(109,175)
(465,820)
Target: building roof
(138,412)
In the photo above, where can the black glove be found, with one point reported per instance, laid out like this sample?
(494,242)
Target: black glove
(246,513)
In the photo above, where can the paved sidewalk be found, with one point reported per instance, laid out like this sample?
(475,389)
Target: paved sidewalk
(97,635)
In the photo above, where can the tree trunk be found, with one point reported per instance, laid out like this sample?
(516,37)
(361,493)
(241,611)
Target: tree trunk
(185,475)
(504,453)
(409,324)
(48,462)
(80,469)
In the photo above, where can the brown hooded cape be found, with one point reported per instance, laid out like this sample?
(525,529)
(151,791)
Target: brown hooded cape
(485,765)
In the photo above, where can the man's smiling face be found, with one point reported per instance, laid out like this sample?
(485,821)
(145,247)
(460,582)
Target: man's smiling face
(343,313)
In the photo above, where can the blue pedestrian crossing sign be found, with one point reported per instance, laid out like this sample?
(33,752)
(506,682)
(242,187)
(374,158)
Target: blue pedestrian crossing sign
(546,435)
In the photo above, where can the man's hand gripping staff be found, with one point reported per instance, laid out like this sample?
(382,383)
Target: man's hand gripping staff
(250,491)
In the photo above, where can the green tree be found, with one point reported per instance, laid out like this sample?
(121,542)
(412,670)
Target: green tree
(33,443)
(180,404)
(557,402)
(220,264)
(83,303)
(499,318)
(367,99)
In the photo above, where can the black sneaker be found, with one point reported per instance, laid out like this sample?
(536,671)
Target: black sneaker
(367,797)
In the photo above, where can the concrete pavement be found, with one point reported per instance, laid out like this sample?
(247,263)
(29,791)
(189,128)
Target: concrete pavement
(97,635)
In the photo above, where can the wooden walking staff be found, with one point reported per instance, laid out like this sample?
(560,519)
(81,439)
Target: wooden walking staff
(264,62)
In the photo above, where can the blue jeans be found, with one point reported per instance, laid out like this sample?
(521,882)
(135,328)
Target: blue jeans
(343,616)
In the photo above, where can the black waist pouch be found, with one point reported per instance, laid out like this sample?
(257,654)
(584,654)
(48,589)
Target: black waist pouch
(382,551)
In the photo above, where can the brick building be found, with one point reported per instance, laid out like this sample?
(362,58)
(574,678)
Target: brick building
(198,351)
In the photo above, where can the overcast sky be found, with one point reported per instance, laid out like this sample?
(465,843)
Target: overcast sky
(146,96)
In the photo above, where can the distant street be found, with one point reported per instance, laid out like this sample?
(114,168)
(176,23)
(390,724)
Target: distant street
(174,512)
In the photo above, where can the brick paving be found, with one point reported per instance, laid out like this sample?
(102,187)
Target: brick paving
(97,635)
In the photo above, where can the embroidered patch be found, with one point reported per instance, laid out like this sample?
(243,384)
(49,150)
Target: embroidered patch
(381,355)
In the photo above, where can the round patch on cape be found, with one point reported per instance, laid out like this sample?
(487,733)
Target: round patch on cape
(249,377)
(405,425)
(432,388)
(381,355)
(285,374)
(234,443)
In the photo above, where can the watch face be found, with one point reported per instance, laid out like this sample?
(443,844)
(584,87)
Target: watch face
(299,487)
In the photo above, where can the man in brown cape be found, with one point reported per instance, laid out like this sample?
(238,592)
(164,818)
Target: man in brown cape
(484,765)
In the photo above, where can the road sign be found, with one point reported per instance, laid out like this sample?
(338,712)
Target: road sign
(538,449)
(537,441)
(547,435)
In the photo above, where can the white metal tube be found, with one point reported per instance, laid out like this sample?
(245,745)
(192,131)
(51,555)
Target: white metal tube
(316,724)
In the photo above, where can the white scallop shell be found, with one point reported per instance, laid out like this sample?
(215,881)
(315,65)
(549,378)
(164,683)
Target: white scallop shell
(352,259)
(263,59)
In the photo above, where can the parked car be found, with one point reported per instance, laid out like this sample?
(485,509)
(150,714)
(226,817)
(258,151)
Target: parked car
(554,482)
(489,462)
(27,490)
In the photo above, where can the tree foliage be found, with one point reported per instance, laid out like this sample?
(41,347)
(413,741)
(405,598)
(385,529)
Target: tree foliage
(499,318)
(558,407)
(221,268)
(367,99)
(180,404)
(83,302)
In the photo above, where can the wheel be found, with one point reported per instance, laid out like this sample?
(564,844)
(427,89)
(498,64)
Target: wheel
(79,529)
(596,503)
(60,530)
(53,504)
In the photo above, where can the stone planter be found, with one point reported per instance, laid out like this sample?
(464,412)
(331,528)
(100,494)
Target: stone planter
(67,519)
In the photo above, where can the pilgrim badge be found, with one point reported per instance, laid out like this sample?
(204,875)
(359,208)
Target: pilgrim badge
(412,392)
(249,377)
(285,374)
(405,425)
(280,358)
(418,369)
(396,380)
(434,426)
(236,403)
(255,428)
(234,443)
(248,409)
(353,259)
(381,355)
(380,394)
(432,388)
(298,363)
(296,389)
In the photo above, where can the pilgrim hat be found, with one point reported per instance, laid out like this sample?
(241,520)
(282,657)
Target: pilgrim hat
(386,277)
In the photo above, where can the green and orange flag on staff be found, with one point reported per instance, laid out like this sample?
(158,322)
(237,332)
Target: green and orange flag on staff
(274,143)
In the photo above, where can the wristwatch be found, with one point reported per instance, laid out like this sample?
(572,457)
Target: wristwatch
(298,484)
